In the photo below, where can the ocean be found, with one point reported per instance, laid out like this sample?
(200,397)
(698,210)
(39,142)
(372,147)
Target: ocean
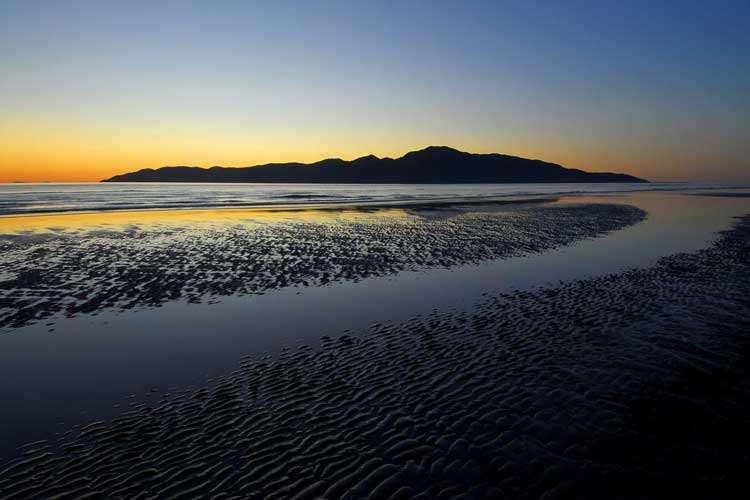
(47,198)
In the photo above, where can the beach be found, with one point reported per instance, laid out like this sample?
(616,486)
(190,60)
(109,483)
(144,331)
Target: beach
(333,250)
(535,345)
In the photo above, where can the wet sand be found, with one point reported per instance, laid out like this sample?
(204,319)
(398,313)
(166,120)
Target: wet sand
(53,272)
(612,387)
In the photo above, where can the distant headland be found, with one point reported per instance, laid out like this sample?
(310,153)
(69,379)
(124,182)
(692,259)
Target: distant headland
(432,165)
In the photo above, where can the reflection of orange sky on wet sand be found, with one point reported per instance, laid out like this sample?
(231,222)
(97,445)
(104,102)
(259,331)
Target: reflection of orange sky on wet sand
(63,223)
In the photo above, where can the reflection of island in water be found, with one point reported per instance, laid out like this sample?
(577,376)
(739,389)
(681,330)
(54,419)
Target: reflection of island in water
(435,164)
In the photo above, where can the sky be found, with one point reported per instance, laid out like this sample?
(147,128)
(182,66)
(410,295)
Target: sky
(89,89)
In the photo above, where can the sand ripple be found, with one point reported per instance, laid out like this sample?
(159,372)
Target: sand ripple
(617,387)
(43,276)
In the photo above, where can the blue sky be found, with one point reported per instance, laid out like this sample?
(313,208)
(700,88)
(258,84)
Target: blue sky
(658,89)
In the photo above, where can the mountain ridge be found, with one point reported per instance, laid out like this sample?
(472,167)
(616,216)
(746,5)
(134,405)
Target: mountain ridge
(431,165)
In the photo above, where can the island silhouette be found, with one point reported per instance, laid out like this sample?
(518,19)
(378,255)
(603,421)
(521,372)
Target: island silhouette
(432,165)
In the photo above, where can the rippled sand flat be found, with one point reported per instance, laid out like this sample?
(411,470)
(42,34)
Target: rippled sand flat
(53,269)
(625,386)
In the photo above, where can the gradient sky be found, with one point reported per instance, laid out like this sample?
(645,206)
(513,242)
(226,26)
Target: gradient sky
(91,89)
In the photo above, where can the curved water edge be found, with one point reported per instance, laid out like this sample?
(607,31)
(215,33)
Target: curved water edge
(78,372)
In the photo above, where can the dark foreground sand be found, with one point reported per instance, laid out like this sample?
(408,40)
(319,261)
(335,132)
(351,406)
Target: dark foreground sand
(628,386)
(42,275)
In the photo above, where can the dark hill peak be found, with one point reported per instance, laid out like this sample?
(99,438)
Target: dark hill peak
(436,152)
(366,158)
(440,149)
(329,162)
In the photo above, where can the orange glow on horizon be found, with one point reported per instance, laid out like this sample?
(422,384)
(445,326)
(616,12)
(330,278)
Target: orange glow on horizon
(41,152)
